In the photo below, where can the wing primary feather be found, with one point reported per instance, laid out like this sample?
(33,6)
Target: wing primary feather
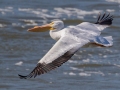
(98,17)
(103,16)
(107,16)
(35,73)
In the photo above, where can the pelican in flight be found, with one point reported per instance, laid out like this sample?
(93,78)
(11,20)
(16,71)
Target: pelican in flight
(69,40)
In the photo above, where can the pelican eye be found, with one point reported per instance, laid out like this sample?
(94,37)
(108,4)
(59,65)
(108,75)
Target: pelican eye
(51,23)
(52,28)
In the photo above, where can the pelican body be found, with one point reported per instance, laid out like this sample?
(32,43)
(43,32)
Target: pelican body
(69,40)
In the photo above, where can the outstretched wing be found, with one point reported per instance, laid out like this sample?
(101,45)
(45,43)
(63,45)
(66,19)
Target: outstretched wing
(61,52)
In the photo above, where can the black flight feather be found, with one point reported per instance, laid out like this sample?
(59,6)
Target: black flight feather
(105,19)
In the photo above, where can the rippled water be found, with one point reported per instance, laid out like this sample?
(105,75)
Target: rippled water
(91,68)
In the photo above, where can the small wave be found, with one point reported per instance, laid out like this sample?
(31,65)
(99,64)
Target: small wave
(2,25)
(72,61)
(116,1)
(89,73)
(76,69)
(72,74)
(84,74)
(19,63)
(86,60)
(110,10)
(6,10)
(94,72)
(116,65)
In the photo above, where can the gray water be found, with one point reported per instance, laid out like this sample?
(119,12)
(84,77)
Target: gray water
(91,68)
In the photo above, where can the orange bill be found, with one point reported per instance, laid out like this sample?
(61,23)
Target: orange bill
(42,28)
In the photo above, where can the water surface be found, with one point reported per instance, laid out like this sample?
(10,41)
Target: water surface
(91,68)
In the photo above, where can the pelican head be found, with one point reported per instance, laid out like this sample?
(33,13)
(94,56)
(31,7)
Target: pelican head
(54,26)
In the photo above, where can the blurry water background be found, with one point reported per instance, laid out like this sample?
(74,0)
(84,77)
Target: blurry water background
(91,68)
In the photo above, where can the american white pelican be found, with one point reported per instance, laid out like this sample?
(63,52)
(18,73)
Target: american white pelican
(70,39)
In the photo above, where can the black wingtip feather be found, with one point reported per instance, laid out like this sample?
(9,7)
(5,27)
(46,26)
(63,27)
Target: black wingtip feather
(105,19)
(22,77)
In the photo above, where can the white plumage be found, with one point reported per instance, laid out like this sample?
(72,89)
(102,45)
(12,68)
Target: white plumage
(70,39)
